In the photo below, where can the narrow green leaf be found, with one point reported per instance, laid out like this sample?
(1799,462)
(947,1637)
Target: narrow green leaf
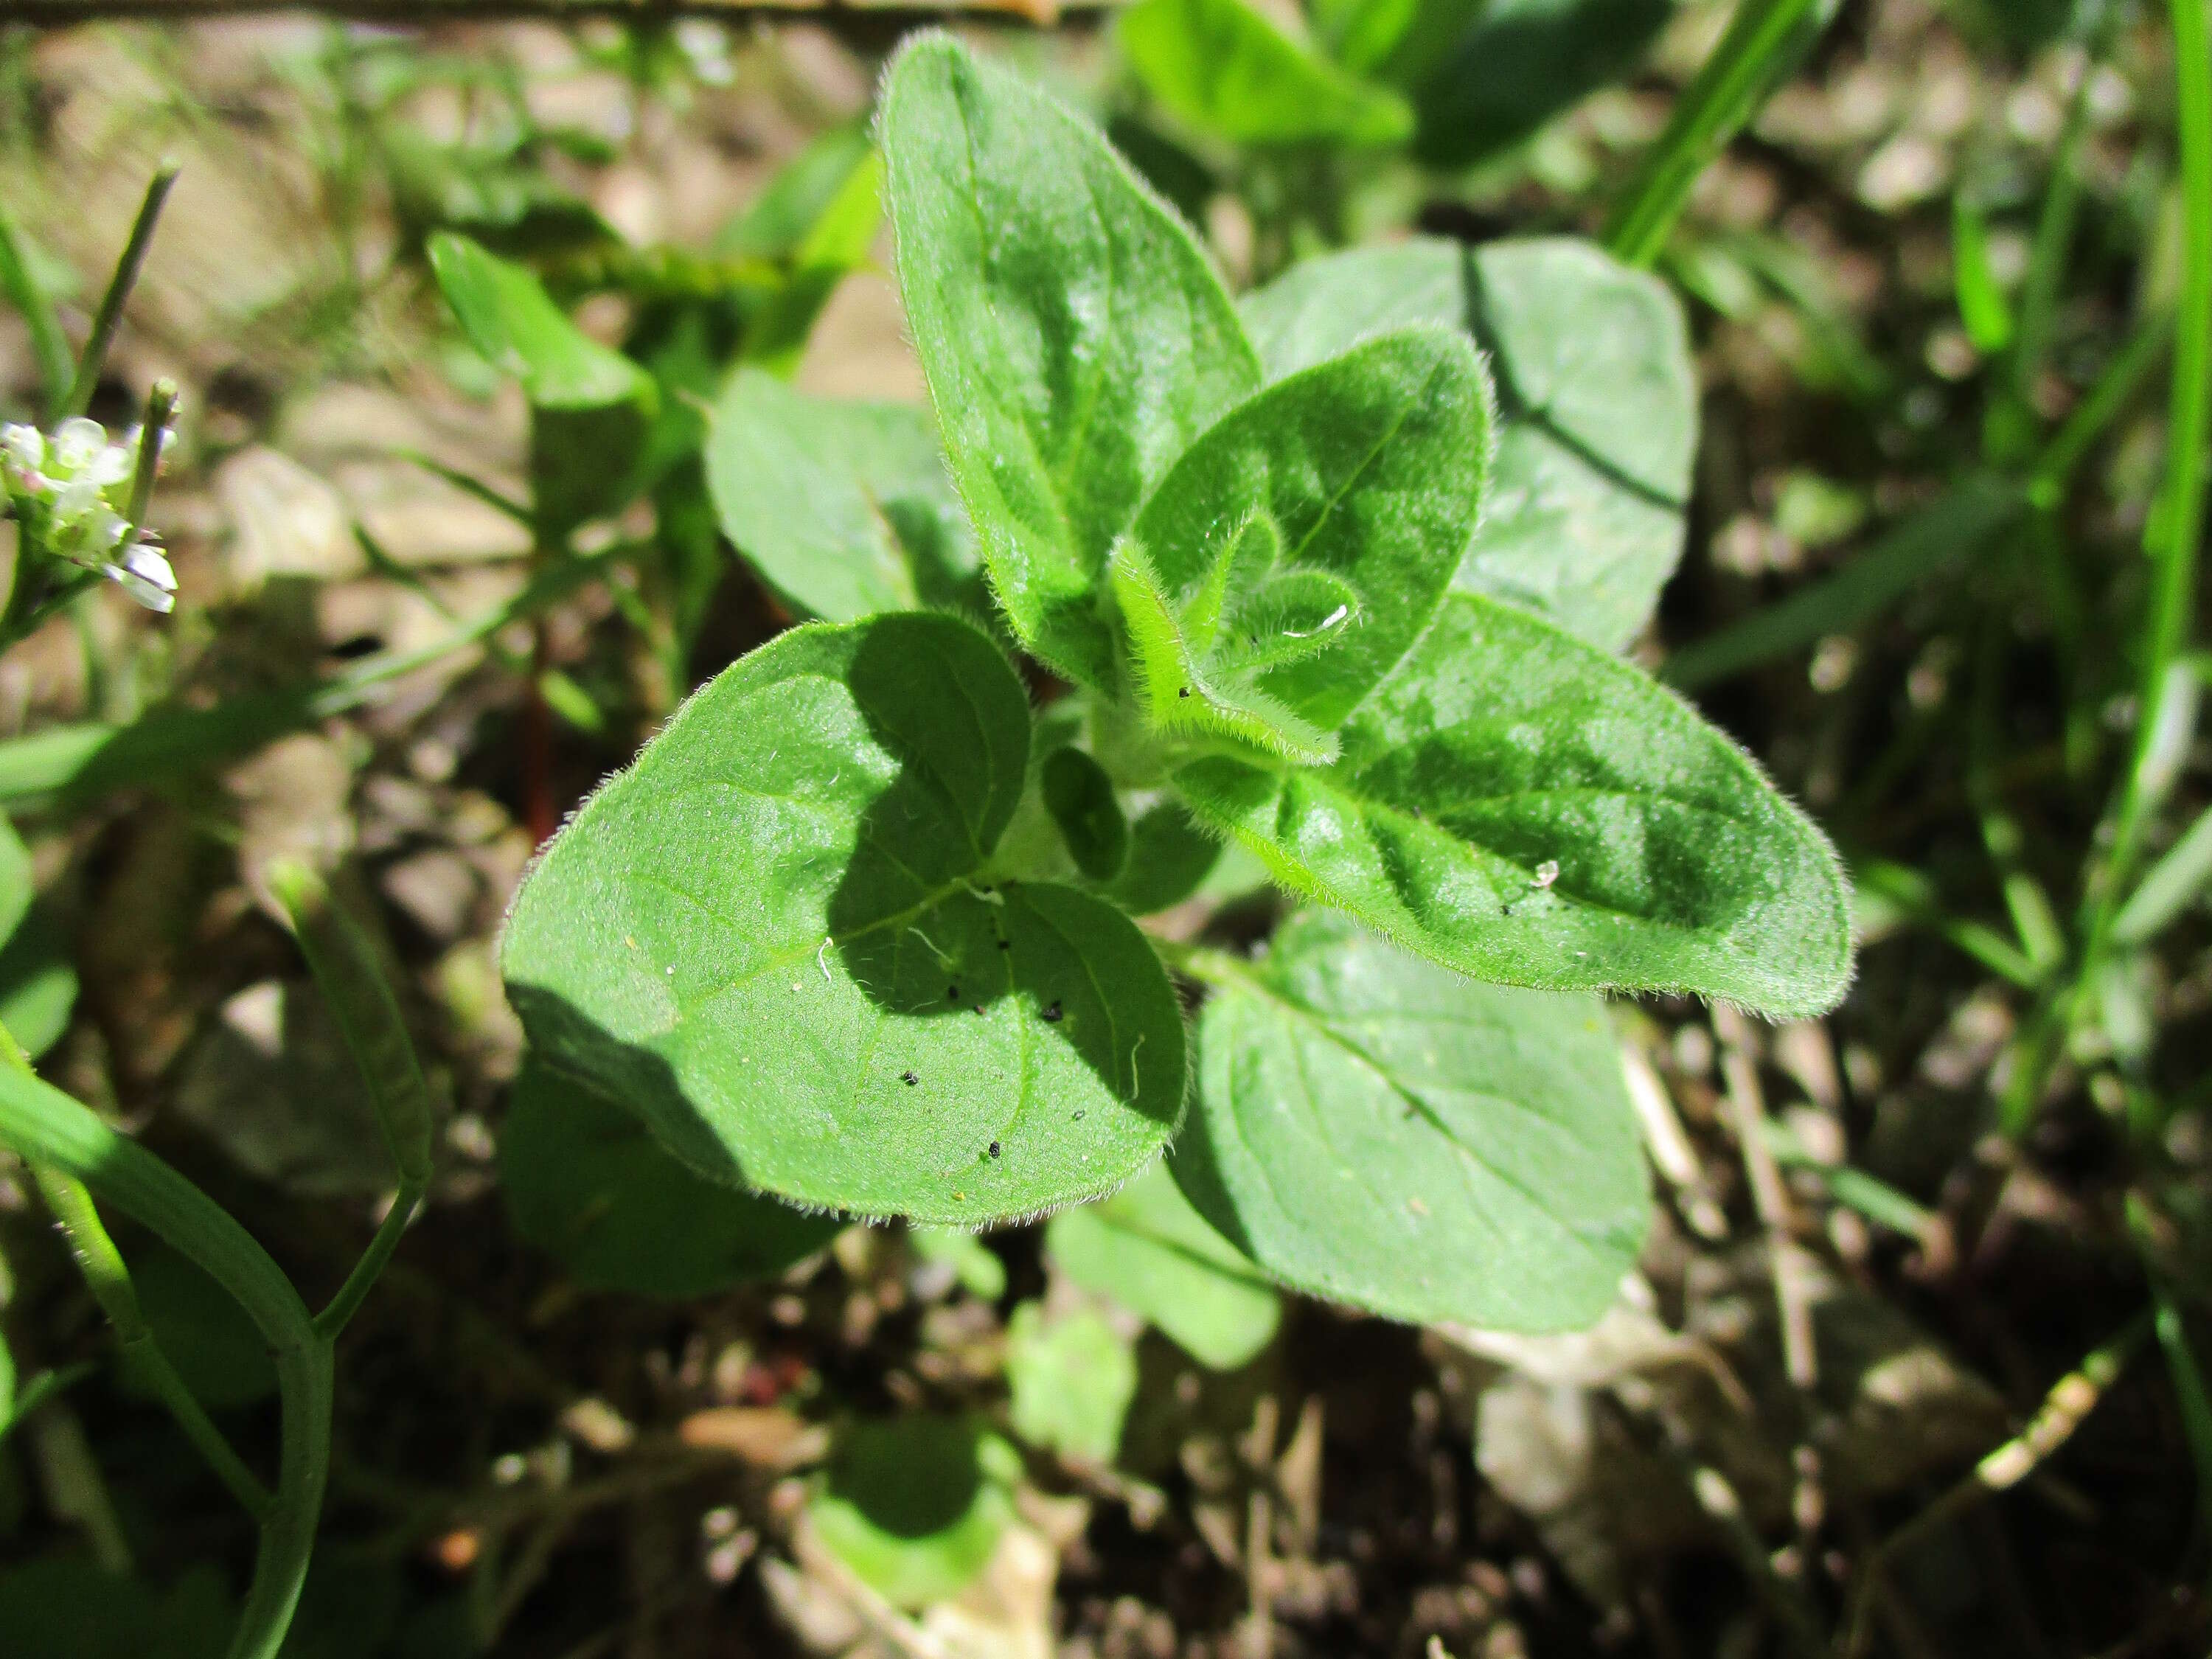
(1597,406)
(844,507)
(2182,872)
(512,322)
(584,1183)
(1227,70)
(1301,545)
(1071,1378)
(1519,806)
(1381,1132)
(915,1507)
(16,887)
(6,1387)
(1080,798)
(1041,281)
(38,982)
(771,936)
(1150,1251)
(360,1002)
(1983,306)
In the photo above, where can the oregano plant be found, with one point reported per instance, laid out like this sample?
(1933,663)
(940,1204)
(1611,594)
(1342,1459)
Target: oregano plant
(1336,578)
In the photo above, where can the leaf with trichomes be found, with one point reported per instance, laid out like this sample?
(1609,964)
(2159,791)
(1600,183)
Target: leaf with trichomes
(1520,807)
(1044,284)
(1597,406)
(844,506)
(778,939)
(1300,546)
(1149,1250)
(1384,1133)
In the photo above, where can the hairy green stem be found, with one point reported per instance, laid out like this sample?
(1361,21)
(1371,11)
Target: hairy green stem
(1726,93)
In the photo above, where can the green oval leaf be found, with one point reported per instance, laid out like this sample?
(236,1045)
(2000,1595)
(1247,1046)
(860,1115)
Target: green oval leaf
(1080,798)
(1226,69)
(771,936)
(1042,283)
(915,1507)
(585,1183)
(1170,854)
(1301,544)
(844,507)
(1150,1251)
(1520,807)
(1382,1132)
(1597,407)
(1071,1378)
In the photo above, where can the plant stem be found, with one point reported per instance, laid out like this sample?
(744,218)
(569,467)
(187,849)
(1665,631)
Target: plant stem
(44,1125)
(104,1271)
(106,321)
(1724,95)
(334,1318)
(160,405)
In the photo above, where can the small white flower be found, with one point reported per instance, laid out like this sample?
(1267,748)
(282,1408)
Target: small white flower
(22,448)
(145,575)
(74,443)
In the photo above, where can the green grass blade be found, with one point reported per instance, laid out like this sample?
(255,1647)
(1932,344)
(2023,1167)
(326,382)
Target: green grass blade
(1941,536)
(1725,94)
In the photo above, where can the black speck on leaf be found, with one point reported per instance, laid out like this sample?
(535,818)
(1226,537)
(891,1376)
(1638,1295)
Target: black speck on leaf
(995,1149)
(979,1007)
(1052,1013)
(952,994)
(908,1078)
(1184,692)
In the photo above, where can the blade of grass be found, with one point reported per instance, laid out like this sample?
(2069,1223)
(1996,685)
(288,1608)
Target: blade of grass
(1940,535)
(1725,93)
(106,321)
(2180,874)
(19,281)
(2171,541)
(344,963)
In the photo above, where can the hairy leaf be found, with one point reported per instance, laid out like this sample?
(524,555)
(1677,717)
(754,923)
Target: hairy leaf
(1071,1378)
(1073,334)
(777,939)
(1517,805)
(1382,1132)
(584,1183)
(1597,404)
(844,506)
(1149,1250)
(1299,547)
(1226,69)
(915,1507)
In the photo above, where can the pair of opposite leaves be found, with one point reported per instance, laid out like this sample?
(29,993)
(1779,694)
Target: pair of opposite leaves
(777,937)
